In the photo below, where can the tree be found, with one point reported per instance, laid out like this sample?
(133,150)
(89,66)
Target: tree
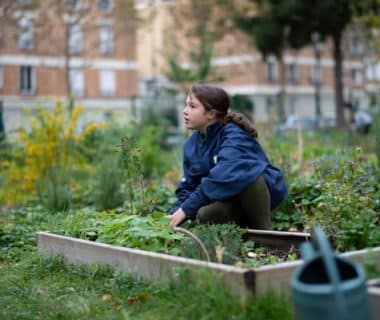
(367,13)
(333,25)
(197,26)
(301,18)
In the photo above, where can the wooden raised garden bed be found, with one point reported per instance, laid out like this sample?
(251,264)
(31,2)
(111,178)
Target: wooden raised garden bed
(374,297)
(160,267)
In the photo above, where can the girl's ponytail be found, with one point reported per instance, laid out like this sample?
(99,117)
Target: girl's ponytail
(242,121)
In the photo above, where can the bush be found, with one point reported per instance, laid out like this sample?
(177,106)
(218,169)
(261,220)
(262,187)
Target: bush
(343,196)
(46,149)
(109,179)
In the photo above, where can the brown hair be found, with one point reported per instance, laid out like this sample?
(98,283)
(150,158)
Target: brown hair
(215,98)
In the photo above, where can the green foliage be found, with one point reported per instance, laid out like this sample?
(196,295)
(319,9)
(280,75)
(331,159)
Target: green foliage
(157,197)
(131,162)
(201,23)
(52,289)
(99,139)
(343,196)
(41,153)
(242,103)
(17,231)
(150,143)
(222,241)
(54,190)
(109,178)
(376,129)
(18,227)
(150,233)
(203,296)
(46,288)
(200,63)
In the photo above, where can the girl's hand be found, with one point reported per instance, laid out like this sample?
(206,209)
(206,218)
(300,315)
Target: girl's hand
(177,217)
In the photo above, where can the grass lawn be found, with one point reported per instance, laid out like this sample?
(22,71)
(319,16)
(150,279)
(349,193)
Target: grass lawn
(40,288)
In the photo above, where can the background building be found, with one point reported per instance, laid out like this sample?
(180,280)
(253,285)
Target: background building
(55,49)
(309,72)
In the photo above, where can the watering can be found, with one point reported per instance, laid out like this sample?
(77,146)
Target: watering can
(326,286)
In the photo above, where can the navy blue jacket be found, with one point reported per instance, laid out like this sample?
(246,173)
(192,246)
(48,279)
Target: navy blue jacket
(220,165)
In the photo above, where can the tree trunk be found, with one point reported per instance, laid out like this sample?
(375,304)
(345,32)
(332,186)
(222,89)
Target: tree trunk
(338,74)
(281,96)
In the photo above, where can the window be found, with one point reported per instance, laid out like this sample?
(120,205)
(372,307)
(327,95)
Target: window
(292,74)
(356,76)
(107,82)
(271,71)
(370,73)
(105,5)
(26,33)
(356,47)
(76,78)
(27,79)
(316,75)
(75,38)
(106,43)
(373,71)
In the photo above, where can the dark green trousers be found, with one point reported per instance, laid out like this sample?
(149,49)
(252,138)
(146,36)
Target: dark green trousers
(250,208)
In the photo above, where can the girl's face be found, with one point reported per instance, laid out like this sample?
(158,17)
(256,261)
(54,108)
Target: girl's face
(196,116)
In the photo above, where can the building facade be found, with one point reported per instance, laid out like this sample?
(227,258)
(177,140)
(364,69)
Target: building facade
(54,49)
(308,73)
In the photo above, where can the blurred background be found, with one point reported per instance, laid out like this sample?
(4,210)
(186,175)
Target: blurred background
(279,60)
(78,76)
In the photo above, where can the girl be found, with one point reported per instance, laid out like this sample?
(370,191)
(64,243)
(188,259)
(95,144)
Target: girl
(227,176)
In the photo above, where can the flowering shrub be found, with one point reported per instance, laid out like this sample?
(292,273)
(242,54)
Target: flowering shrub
(45,154)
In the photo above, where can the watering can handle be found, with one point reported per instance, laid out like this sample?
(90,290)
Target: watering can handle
(322,244)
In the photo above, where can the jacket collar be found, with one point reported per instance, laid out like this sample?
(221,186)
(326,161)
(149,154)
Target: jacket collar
(211,131)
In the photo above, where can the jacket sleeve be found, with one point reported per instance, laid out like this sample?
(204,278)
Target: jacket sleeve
(185,187)
(240,161)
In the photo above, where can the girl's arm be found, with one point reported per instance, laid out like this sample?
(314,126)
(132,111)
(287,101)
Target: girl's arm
(185,187)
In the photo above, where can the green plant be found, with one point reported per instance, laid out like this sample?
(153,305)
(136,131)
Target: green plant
(150,233)
(131,163)
(54,190)
(343,196)
(242,103)
(43,150)
(222,241)
(202,295)
(376,129)
(109,179)
(46,288)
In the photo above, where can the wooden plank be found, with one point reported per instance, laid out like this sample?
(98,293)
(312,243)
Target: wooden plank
(160,267)
(276,239)
(276,277)
(374,297)
(143,264)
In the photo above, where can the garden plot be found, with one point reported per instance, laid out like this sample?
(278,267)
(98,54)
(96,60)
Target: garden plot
(160,267)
